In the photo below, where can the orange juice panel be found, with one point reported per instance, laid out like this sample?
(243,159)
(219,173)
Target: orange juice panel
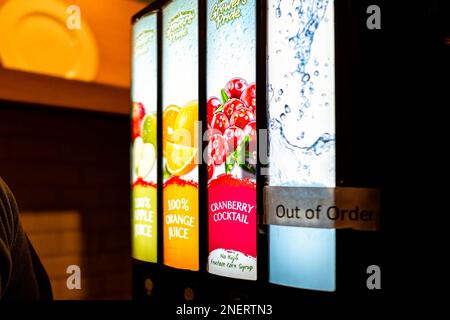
(181,224)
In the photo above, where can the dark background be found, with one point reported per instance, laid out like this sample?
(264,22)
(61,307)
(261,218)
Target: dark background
(76,164)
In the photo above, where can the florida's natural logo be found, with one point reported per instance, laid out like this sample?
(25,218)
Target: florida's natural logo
(226,11)
(178,25)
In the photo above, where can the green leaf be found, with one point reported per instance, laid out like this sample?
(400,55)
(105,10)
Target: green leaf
(225,97)
(229,167)
(248,167)
(240,157)
(242,149)
(219,109)
(230,162)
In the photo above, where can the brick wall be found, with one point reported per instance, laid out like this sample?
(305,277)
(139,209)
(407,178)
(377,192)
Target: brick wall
(69,171)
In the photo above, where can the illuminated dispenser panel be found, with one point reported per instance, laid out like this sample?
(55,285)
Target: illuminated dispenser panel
(301,123)
(180,134)
(144,153)
(232,136)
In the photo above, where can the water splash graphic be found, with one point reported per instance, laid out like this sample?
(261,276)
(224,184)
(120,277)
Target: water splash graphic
(302,141)
(301,93)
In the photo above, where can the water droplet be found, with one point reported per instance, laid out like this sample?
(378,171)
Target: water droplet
(282,116)
(311,88)
(278,13)
(316,73)
(287,109)
(274,124)
(280,92)
(306,78)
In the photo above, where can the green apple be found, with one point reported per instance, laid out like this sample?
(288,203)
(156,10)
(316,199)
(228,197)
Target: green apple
(147,161)
(149,127)
(137,153)
(144,157)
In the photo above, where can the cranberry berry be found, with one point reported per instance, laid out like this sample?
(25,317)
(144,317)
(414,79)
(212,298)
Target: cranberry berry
(210,167)
(250,131)
(218,149)
(220,122)
(241,117)
(213,104)
(233,136)
(235,87)
(231,106)
(249,97)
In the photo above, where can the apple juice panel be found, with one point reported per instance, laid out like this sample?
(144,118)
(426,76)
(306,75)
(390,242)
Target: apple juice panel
(144,168)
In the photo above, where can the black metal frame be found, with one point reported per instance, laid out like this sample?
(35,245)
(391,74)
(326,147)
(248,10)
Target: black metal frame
(152,7)
(261,123)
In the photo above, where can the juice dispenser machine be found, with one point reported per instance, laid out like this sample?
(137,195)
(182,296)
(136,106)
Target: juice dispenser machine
(239,141)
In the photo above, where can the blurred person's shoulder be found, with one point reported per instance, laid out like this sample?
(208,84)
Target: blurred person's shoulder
(9,215)
(8,221)
(22,275)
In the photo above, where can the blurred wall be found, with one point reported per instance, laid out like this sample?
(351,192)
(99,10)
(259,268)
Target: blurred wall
(69,171)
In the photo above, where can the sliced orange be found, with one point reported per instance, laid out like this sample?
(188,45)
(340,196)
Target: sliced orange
(180,159)
(169,116)
(185,125)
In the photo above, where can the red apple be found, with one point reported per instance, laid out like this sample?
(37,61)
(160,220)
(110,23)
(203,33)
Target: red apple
(138,114)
